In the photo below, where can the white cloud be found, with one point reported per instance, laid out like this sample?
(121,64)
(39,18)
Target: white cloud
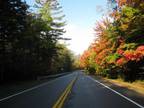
(81,37)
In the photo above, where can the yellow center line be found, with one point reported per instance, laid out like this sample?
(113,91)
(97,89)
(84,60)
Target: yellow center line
(60,102)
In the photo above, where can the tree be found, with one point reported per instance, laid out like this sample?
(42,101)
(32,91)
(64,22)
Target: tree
(118,46)
(12,23)
(29,40)
(51,31)
(63,62)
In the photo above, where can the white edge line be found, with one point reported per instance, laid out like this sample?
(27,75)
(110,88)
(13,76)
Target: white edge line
(35,87)
(117,93)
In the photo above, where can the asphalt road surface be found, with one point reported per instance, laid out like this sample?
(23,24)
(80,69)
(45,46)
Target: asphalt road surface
(86,93)
(43,96)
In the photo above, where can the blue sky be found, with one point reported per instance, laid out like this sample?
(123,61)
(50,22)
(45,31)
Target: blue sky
(83,12)
(81,17)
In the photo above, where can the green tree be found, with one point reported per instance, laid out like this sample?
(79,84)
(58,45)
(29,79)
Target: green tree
(13,15)
(28,40)
(63,62)
(51,31)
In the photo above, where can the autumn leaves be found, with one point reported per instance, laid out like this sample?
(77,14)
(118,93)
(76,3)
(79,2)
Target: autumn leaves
(119,43)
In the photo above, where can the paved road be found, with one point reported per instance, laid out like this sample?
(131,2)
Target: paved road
(40,97)
(86,93)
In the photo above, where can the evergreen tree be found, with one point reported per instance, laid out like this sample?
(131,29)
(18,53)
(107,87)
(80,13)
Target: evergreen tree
(12,24)
(49,12)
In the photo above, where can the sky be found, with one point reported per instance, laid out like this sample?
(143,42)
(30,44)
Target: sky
(81,17)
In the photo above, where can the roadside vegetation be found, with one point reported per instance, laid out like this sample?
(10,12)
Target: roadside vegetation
(118,48)
(137,85)
(29,40)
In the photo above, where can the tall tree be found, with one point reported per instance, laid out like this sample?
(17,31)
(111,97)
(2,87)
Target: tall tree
(12,24)
(119,45)
(49,12)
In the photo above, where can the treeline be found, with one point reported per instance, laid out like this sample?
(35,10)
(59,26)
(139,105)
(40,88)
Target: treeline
(29,44)
(118,50)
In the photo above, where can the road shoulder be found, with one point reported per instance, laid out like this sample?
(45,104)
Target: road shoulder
(12,88)
(137,97)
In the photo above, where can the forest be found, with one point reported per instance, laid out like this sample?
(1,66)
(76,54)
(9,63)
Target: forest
(29,40)
(118,48)
(30,47)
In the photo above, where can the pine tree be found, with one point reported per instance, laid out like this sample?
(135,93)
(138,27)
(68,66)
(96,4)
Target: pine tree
(12,24)
(53,24)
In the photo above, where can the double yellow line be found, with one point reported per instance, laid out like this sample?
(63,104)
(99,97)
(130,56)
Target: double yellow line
(60,102)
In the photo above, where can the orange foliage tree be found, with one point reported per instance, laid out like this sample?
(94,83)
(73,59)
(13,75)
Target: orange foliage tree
(119,43)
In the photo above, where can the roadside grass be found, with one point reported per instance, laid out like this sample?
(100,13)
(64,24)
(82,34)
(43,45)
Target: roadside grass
(137,86)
